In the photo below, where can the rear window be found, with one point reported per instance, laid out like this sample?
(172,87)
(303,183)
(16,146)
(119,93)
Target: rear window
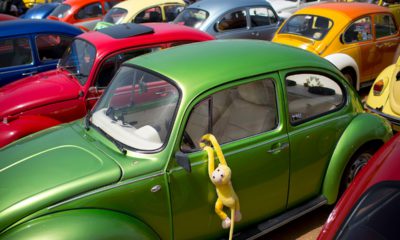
(115,15)
(61,11)
(309,26)
(191,17)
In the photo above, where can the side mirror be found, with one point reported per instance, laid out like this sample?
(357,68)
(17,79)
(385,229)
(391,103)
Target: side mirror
(93,90)
(183,160)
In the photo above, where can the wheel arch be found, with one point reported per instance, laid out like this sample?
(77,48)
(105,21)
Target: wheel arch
(354,138)
(345,62)
(82,224)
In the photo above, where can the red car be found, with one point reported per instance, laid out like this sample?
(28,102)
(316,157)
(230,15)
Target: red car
(6,17)
(76,11)
(370,207)
(67,93)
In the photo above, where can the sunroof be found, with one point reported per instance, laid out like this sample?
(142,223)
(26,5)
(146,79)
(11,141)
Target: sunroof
(126,30)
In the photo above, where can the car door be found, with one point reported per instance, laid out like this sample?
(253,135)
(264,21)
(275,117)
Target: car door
(246,120)
(387,39)
(263,23)
(108,67)
(232,24)
(16,58)
(317,116)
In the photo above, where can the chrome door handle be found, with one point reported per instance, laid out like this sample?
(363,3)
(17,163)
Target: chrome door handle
(29,73)
(279,148)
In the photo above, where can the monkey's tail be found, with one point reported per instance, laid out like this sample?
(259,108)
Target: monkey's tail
(232,223)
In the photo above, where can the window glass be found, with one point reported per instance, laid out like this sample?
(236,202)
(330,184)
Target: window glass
(384,25)
(171,11)
(111,65)
(359,31)
(137,109)
(109,5)
(61,11)
(191,17)
(309,26)
(51,46)
(90,11)
(261,16)
(310,95)
(235,113)
(15,52)
(233,20)
(149,15)
(115,15)
(374,216)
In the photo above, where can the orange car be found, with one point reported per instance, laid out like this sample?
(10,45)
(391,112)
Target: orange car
(75,11)
(360,39)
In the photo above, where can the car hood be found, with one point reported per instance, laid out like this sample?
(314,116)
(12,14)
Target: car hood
(300,42)
(36,91)
(37,172)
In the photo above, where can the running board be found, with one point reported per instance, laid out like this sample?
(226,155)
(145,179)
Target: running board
(271,224)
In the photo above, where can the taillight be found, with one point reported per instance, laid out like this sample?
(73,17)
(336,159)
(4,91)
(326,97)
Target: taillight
(378,87)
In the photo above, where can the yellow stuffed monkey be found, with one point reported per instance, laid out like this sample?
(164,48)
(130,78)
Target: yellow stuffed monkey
(221,178)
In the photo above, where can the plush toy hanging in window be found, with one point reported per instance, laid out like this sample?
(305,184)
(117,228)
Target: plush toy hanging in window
(221,178)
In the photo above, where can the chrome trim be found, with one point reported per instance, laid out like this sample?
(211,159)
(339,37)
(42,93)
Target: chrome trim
(394,120)
(105,188)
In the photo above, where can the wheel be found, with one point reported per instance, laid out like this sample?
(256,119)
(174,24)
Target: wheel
(356,163)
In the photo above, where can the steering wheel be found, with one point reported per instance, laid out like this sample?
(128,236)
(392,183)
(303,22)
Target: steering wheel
(188,140)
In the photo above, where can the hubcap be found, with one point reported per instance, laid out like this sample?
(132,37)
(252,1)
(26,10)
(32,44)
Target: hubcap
(357,165)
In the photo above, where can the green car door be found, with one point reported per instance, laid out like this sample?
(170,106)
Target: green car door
(245,117)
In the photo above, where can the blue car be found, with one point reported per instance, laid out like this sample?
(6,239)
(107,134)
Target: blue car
(40,11)
(30,46)
(253,19)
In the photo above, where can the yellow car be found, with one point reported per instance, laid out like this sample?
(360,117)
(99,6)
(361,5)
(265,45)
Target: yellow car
(360,39)
(384,97)
(393,5)
(30,3)
(141,12)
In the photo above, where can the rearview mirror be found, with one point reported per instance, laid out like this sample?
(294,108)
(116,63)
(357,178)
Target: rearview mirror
(183,160)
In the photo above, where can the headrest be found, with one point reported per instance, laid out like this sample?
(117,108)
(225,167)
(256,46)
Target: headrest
(254,92)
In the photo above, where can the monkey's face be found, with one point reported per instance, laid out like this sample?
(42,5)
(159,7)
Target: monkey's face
(221,175)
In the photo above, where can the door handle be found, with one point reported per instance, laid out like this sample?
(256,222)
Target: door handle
(29,73)
(278,148)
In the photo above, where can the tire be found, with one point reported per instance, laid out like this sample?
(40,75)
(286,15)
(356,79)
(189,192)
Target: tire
(356,163)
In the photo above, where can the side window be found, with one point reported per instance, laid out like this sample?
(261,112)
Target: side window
(231,114)
(51,46)
(90,11)
(15,52)
(261,16)
(310,95)
(359,31)
(171,11)
(149,15)
(232,20)
(384,25)
(111,65)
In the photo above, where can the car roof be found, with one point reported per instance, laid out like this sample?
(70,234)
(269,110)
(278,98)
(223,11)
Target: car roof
(351,10)
(162,32)
(214,7)
(135,4)
(28,26)
(198,67)
(78,3)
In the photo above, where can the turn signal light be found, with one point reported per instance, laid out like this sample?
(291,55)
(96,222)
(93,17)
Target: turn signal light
(378,87)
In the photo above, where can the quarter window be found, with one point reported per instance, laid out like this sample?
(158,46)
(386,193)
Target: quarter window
(15,52)
(90,11)
(261,16)
(359,31)
(310,95)
(235,113)
(233,20)
(384,25)
(149,15)
(51,46)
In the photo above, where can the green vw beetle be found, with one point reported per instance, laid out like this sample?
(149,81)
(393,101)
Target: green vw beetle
(292,129)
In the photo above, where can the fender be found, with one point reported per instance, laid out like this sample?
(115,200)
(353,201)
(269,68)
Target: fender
(82,224)
(14,128)
(351,140)
(341,61)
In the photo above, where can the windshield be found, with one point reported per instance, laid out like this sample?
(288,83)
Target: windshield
(191,17)
(78,59)
(115,15)
(309,26)
(61,11)
(137,109)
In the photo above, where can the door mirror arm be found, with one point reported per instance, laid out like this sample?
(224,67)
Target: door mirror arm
(183,160)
